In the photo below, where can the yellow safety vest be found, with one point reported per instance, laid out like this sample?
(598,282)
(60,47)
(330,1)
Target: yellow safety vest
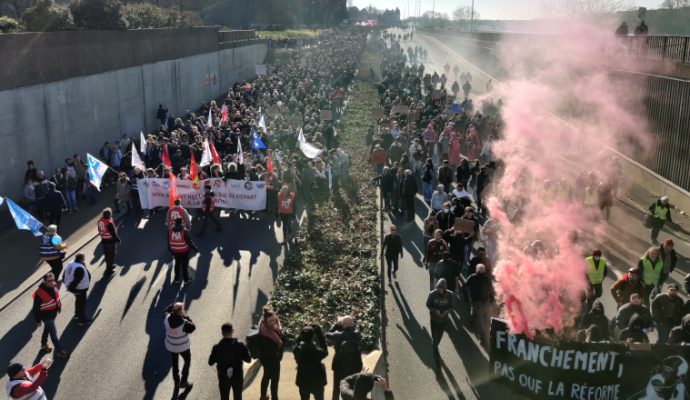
(660,212)
(651,273)
(595,273)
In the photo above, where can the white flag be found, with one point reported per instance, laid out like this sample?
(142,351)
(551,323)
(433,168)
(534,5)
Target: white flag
(96,169)
(206,157)
(142,142)
(262,123)
(240,152)
(308,149)
(330,176)
(300,137)
(209,120)
(136,160)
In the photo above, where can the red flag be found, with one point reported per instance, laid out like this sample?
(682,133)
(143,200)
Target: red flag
(193,171)
(269,163)
(224,113)
(214,155)
(165,157)
(173,189)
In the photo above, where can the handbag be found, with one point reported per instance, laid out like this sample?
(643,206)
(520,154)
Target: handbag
(647,220)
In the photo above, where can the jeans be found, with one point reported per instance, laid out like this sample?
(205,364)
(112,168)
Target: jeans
(234,383)
(392,262)
(272,375)
(428,190)
(80,304)
(181,265)
(437,329)
(175,358)
(50,329)
(72,199)
(378,170)
(286,220)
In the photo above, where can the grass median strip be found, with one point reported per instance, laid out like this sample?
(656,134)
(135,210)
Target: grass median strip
(332,271)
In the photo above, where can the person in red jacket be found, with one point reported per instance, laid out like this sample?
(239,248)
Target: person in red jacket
(46,307)
(180,245)
(286,207)
(109,239)
(25,383)
(208,210)
(378,159)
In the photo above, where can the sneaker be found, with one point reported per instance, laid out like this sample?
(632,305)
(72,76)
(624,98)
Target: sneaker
(85,322)
(62,354)
(46,347)
(185,384)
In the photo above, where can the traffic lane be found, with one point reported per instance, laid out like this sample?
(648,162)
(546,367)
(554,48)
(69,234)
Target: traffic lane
(124,347)
(464,368)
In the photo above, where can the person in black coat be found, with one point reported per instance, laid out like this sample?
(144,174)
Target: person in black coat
(228,356)
(309,353)
(668,254)
(53,204)
(386,182)
(409,193)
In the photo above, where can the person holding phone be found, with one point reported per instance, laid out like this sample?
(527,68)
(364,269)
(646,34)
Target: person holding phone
(357,386)
(25,383)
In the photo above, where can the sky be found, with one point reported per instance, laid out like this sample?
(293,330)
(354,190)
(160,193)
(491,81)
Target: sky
(488,9)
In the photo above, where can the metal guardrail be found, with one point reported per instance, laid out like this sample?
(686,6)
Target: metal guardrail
(666,48)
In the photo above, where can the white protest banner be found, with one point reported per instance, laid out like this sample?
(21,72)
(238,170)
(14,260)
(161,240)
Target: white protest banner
(238,194)
(309,150)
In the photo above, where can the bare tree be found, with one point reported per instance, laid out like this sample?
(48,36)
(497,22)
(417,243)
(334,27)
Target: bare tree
(464,13)
(578,8)
(675,4)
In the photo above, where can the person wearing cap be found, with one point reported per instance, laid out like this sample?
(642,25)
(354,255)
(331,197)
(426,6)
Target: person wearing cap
(52,250)
(45,309)
(109,239)
(481,293)
(208,210)
(667,310)
(625,286)
(659,214)
(440,303)
(25,383)
(596,272)
(357,386)
(668,255)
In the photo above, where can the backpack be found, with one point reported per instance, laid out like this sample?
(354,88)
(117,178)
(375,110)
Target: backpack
(349,356)
(253,341)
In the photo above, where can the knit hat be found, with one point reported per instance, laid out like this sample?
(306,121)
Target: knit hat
(442,284)
(14,369)
(596,253)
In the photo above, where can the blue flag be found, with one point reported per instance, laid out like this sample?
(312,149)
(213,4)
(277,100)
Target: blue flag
(23,219)
(96,169)
(257,143)
(455,107)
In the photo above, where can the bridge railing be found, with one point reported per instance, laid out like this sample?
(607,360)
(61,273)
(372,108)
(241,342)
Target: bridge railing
(667,48)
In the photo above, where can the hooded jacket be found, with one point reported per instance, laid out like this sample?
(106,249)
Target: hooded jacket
(596,316)
(681,333)
(633,333)
(626,312)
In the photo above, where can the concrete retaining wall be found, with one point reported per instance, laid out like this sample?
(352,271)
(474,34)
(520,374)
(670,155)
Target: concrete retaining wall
(51,121)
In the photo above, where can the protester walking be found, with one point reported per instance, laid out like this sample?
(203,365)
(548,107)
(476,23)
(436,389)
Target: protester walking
(286,212)
(180,244)
(481,294)
(309,353)
(208,210)
(667,310)
(109,239)
(52,205)
(659,214)
(439,302)
(596,271)
(434,253)
(52,250)
(271,348)
(652,267)
(346,340)
(46,307)
(178,326)
(228,356)
(177,211)
(392,250)
(77,281)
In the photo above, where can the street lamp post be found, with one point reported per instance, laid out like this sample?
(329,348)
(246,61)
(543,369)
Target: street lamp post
(472,17)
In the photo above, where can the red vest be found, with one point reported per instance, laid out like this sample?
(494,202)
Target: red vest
(48,303)
(177,242)
(175,213)
(103,228)
(285,203)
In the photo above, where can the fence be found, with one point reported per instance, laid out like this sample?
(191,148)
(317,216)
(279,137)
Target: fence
(666,48)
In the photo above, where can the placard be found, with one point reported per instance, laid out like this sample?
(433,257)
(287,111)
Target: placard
(463,225)
(326,115)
